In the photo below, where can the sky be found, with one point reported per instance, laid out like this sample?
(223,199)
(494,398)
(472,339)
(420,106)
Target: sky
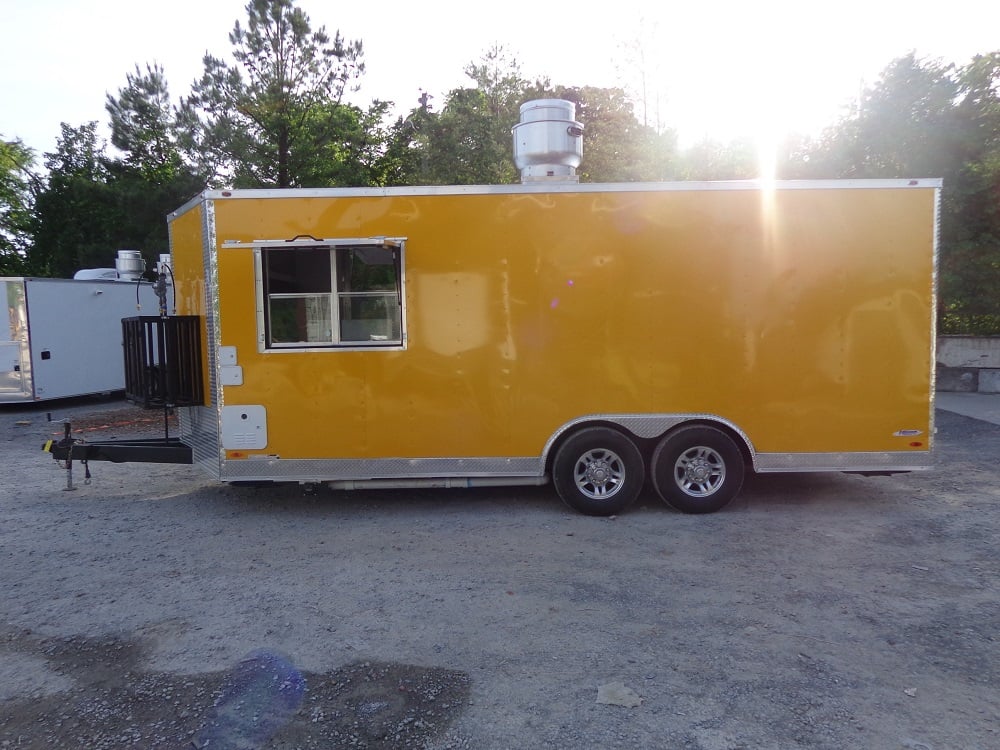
(715,68)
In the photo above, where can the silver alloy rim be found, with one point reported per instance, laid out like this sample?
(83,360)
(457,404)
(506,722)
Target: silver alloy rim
(699,471)
(599,473)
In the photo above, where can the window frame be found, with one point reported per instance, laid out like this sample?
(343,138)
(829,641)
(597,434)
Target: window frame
(396,244)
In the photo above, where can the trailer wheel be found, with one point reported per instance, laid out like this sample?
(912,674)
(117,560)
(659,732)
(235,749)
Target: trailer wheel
(697,469)
(598,471)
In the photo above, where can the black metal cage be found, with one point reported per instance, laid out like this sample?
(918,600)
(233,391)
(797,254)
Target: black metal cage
(163,365)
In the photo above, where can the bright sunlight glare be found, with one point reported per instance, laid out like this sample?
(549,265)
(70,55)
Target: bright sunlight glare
(713,69)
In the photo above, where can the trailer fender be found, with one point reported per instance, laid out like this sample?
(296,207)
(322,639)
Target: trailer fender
(648,428)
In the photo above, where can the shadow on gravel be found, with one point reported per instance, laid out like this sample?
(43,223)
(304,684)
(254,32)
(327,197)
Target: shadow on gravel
(760,492)
(268,498)
(108,701)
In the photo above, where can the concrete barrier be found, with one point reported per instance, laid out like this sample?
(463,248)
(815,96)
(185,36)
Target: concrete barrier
(968,364)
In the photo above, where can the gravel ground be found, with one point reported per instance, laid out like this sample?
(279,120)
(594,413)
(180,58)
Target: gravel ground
(154,608)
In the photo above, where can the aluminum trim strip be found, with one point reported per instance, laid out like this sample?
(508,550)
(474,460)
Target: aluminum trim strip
(189,205)
(932,429)
(359,469)
(571,187)
(213,327)
(200,426)
(379,241)
(376,347)
(874,461)
(648,426)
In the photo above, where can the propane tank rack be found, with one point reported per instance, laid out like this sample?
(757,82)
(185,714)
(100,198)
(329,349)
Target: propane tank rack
(163,361)
(162,371)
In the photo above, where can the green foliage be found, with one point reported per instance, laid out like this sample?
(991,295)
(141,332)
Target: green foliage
(962,324)
(269,118)
(903,126)
(93,205)
(151,179)
(469,142)
(75,214)
(467,145)
(714,160)
(925,119)
(970,222)
(347,148)
(617,147)
(16,178)
(405,159)
(142,126)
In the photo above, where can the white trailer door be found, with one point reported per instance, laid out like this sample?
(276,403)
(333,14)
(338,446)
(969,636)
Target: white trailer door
(15,377)
(13,384)
(76,335)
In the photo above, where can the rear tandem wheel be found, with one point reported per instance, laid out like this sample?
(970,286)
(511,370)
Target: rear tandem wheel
(697,469)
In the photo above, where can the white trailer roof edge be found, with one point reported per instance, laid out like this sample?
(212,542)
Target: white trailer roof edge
(77,282)
(558,187)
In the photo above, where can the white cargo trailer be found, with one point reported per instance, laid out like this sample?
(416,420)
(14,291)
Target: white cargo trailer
(63,337)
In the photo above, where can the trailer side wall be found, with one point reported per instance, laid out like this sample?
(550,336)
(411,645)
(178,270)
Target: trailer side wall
(803,317)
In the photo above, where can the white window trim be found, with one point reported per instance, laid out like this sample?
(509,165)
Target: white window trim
(394,243)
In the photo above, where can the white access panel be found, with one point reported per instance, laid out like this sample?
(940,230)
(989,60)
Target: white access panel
(244,427)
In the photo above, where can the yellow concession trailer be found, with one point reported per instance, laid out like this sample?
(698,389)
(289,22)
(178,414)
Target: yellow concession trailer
(601,336)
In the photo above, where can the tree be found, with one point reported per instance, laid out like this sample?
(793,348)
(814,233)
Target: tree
(265,120)
(151,179)
(349,146)
(142,125)
(970,226)
(470,141)
(903,126)
(76,218)
(406,157)
(16,181)
(93,205)
(617,147)
(926,119)
(638,67)
(714,160)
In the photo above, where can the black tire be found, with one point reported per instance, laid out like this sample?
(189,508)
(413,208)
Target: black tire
(598,471)
(697,469)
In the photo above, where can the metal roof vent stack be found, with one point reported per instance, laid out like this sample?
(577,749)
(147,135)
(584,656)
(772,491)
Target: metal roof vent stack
(130,265)
(548,142)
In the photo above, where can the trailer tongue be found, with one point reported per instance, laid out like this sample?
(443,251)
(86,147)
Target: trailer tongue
(166,450)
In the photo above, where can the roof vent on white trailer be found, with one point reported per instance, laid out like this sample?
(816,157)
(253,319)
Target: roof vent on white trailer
(548,142)
(91,274)
(130,265)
